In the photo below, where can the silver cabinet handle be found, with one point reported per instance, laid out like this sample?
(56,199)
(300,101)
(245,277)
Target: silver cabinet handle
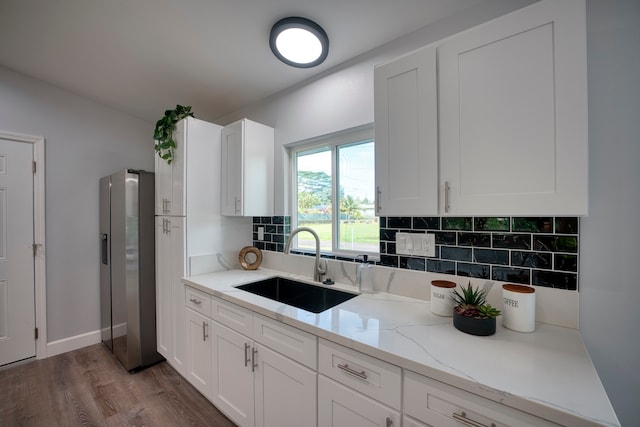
(378,197)
(389,422)
(254,359)
(247,346)
(168,206)
(204,331)
(195,301)
(349,370)
(462,417)
(447,190)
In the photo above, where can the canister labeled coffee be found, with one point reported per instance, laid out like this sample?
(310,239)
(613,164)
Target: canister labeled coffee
(519,307)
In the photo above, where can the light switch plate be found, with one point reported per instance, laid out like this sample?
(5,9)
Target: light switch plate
(421,244)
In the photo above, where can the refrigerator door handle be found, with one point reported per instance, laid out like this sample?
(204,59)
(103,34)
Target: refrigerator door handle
(105,248)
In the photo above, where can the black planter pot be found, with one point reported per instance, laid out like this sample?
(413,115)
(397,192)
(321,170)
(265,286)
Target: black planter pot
(470,325)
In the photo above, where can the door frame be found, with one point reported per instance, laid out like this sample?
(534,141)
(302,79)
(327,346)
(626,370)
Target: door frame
(39,260)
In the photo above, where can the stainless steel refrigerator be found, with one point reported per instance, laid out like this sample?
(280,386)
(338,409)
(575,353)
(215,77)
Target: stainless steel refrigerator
(127,267)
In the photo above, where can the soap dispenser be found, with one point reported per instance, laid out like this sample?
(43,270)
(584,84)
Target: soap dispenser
(365,275)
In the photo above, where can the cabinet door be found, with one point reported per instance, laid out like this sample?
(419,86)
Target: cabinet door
(176,229)
(198,355)
(406,133)
(163,177)
(232,169)
(285,391)
(170,305)
(339,406)
(170,178)
(513,114)
(233,366)
(164,289)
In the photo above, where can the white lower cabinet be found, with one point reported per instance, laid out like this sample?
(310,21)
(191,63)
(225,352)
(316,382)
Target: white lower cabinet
(170,237)
(340,406)
(233,368)
(263,373)
(198,366)
(355,389)
(253,384)
(438,404)
(285,391)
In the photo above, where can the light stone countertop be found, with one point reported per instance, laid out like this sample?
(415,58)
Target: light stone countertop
(547,373)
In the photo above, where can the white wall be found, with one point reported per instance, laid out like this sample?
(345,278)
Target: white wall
(83,142)
(610,236)
(610,241)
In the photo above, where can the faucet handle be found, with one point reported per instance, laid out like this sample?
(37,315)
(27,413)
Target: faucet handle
(322,266)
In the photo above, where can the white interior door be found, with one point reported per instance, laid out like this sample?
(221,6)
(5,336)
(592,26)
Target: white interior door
(17,285)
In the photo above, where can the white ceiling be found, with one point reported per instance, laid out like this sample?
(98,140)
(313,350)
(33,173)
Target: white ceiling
(144,56)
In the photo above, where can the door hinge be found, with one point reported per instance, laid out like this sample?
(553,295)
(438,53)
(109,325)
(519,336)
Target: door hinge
(34,166)
(36,333)
(35,249)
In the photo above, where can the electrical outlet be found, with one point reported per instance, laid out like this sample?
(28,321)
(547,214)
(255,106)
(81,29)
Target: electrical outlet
(421,244)
(260,233)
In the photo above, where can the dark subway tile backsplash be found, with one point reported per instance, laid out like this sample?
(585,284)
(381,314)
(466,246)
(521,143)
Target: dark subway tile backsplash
(541,251)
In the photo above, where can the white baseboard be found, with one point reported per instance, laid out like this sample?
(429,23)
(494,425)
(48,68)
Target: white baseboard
(83,340)
(73,343)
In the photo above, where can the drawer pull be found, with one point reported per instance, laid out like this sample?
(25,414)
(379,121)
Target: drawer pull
(195,301)
(389,422)
(347,369)
(462,417)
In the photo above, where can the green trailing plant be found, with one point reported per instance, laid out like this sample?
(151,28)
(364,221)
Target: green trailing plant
(163,133)
(472,302)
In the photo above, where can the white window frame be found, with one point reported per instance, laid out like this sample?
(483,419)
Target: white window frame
(342,138)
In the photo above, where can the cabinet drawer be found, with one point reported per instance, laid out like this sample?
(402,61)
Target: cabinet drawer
(428,400)
(287,340)
(370,376)
(237,318)
(340,406)
(198,301)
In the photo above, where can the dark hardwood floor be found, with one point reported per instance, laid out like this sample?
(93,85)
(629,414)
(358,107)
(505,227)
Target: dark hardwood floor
(89,387)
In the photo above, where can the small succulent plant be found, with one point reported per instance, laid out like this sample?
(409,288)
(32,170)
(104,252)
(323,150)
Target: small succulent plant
(472,302)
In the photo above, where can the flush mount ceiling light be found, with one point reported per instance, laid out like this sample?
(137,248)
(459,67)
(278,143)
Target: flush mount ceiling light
(299,42)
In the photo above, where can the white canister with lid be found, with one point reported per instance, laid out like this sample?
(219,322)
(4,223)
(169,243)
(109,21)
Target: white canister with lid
(441,302)
(519,307)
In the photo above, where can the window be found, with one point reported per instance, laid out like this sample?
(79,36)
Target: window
(334,193)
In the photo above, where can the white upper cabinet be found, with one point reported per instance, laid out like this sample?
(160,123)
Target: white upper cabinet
(247,169)
(183,188)
(513,114)
(170,177)
(406,135)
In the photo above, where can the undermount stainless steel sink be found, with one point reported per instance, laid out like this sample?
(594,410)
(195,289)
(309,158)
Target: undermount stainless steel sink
(298,294)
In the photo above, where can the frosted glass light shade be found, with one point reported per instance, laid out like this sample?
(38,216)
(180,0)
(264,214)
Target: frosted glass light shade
(299,42)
